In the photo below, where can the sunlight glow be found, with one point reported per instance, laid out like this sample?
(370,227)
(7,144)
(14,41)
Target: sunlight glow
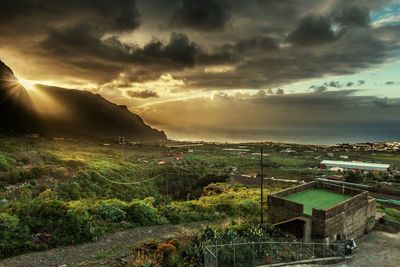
(27,84)
(38,98)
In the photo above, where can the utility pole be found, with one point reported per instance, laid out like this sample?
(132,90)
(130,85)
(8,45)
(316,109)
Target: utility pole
(166,183)
(262,184)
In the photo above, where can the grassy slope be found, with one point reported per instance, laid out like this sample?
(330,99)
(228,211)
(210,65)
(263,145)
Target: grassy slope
(78,177)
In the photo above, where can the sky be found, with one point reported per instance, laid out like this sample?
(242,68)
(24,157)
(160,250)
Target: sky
(223,70)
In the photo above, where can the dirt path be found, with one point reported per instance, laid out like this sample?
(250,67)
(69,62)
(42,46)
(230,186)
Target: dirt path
(112,246)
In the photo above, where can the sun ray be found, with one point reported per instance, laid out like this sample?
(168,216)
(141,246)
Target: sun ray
(27,84)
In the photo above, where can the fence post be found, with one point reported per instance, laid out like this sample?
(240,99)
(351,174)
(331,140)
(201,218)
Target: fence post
(234,255)
(254,261)
(216,252)
(313,252)
(299,257)
(204,256)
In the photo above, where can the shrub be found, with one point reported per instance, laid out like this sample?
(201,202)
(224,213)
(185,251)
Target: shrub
(74,164)
(54,223)
(38,172)
(4,166)
(13,236)
(60,172)
(249,207)
(392,214)
(112,210)
(213,189)
(166,255)
(142,212)
(226,208)
(82,225)
(184,212)
(48,194)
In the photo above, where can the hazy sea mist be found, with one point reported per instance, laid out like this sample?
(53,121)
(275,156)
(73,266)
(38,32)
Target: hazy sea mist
(333,134)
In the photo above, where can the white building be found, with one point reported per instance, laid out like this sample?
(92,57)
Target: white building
(354,165)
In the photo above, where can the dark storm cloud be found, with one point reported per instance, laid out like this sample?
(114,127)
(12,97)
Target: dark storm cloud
(318,88)
(257,44)
(119,15)
(354,50)
(141,94)
(312,30)
(82,39)
(204,15)
(335,84)
(262,43)
(80,43)
(216,58)
(352,16)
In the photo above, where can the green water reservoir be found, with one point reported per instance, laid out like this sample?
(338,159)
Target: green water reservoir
(317,198)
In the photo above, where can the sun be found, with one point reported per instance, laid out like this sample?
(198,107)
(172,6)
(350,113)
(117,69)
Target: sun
(27,84)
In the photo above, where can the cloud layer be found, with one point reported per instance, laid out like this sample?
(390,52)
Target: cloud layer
(138,51)
(265,43)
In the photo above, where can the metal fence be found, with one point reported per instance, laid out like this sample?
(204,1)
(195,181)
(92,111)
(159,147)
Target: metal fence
(269,253)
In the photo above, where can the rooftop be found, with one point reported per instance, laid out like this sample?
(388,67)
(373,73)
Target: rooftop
(317,198)
(355,164)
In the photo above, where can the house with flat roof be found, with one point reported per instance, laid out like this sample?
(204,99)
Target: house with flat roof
(317,210)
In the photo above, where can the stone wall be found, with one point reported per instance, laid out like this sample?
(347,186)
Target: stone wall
(348,218)
(295,189)
(281,209)
(339,189)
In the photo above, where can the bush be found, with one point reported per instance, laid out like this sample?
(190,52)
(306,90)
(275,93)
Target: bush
(4,166)
(13,236)
(213,189)
(226,208)
(82,225)
(392,214)
(60,172)
(249,207)
(167,255)
(48,194)
(142,212)
(74,164)
(19,176)
(53,223)
(112,210)
(184,212)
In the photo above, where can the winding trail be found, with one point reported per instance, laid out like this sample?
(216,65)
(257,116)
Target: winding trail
(107,251)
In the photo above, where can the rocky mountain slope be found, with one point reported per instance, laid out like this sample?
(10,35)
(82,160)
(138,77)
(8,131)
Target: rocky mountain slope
(53,111)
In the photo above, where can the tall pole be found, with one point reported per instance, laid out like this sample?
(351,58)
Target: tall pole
(262,184)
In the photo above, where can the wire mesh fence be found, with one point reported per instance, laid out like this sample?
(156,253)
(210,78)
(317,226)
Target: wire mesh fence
(268,253)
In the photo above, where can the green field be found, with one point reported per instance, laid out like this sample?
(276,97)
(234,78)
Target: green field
(317,198)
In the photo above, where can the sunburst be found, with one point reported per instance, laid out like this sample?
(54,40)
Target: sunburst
(28,85)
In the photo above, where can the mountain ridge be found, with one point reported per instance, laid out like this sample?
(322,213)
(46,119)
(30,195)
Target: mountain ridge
(59,112)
